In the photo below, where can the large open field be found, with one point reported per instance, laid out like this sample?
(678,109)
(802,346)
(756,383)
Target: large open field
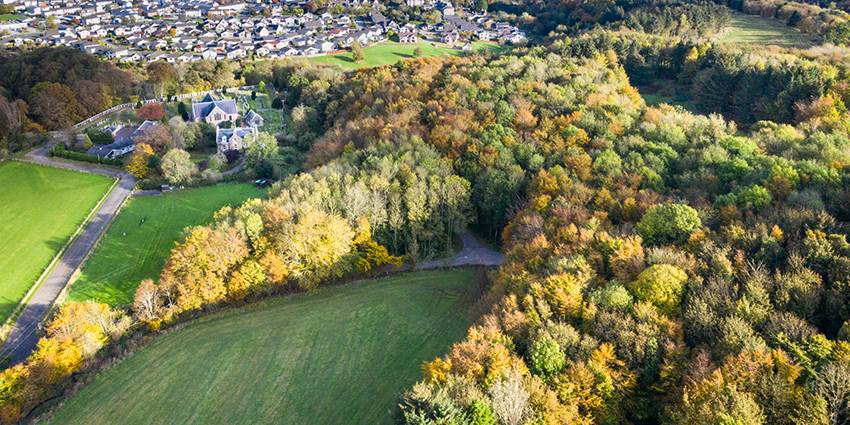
(340,355)
(758,31)
(391,52)
(40,208)
(139,240)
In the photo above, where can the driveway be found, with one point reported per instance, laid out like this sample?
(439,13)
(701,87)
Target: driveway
(23,337)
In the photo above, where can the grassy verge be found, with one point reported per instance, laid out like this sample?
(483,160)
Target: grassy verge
(140,238)
(338,355)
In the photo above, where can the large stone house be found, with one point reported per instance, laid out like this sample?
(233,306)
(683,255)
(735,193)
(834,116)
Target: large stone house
(214,112)
(232,139)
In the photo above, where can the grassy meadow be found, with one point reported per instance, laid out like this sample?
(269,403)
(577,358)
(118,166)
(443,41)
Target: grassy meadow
(42,207)
(390,52)
(758,31)
(339,355)
(137,244)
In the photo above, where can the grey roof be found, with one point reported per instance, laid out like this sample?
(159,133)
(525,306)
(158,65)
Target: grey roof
(251,118)
(203,108)
(143,127)
(103,150)
(227,133)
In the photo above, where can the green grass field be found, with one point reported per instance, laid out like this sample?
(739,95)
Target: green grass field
(758,31)
(132,251)
(390,52)
(9,17)
(340,355)
(41,208)
(670,92)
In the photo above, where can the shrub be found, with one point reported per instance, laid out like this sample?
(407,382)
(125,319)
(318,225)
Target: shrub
(61,152)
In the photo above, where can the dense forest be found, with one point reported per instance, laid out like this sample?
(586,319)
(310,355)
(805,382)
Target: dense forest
(689,19)
(661,266)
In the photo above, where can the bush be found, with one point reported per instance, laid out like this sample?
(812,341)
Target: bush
(277,103)
(61,152)
(668,223)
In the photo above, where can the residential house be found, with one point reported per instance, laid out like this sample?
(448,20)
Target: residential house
(232,139)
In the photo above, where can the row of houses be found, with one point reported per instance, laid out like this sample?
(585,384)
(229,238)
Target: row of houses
(127,33)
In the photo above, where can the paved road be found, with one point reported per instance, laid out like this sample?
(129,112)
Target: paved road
(474,253)
(23,337)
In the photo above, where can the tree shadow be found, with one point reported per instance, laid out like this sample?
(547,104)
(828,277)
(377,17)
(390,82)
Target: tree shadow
(404,55)
(56,243)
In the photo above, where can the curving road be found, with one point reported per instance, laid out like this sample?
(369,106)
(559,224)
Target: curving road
(23,337)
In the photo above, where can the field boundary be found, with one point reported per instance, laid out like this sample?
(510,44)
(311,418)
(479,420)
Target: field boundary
(34,287)
(63,294)
(140,338)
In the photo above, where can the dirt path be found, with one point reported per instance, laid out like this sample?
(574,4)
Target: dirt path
(23,337)
(474,253)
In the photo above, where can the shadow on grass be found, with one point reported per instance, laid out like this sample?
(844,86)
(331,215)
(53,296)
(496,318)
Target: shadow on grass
(404,55)
(55,244)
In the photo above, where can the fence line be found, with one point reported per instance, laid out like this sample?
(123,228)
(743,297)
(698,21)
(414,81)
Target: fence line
(95,119)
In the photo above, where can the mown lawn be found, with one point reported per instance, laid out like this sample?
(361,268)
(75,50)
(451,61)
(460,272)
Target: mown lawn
(340,355)
(40,208)
(390,52)
(9,17)
(758,31)
(137,244)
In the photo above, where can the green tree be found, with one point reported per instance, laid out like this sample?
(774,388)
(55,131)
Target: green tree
(177,167)
(480,413)
(260,147)
(662,285)
(546,356)
(668,223)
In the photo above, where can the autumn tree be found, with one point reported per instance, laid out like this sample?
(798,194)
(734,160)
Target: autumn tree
(151,111)
(161,75)
(138,165)
(357,51)
(157,137)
